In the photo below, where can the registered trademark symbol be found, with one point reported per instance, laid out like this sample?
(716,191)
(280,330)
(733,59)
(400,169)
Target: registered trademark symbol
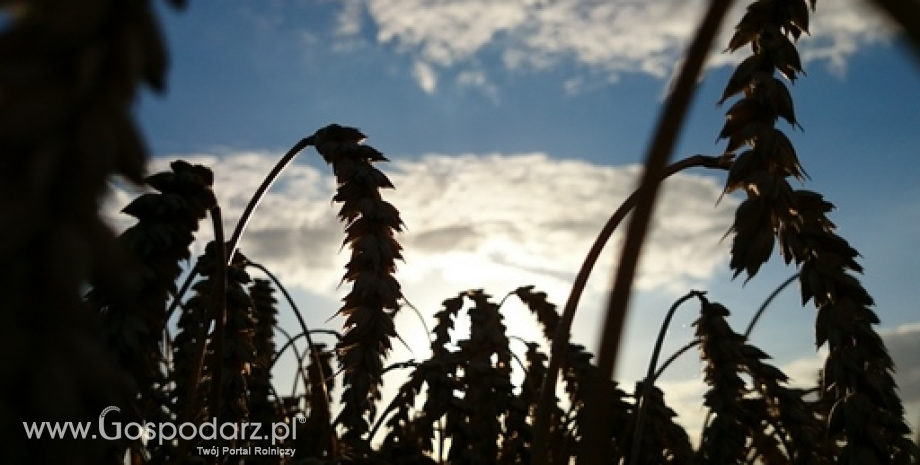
(302,419)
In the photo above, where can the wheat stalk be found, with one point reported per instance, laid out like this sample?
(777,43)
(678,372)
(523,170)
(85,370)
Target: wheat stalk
(561,326)
(659,152)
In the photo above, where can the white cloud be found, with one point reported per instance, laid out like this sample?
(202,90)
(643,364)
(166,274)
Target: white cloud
(494,221)
(612,37)
(425,76)
(497,222)
(349,21)
(477,79)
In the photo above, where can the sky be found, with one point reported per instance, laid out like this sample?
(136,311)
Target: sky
(514,129)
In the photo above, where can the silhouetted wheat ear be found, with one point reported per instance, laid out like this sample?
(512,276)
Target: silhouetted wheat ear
(238,353)
(868,414)
(314,433)
(580,377)
(725,437)
(398,436)
(167,221)
(442,380)
(190,379)
(70,75)
(487,383)
(780,426)
(264,408)
(230,360)
(526,400)
(370,227)
(663,441)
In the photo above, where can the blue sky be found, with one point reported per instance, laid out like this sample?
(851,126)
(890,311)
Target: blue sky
(515,128)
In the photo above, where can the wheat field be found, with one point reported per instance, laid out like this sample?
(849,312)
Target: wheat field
(91,310)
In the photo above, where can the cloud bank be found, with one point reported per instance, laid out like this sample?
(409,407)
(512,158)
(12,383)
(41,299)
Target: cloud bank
(605,37)
(495,221)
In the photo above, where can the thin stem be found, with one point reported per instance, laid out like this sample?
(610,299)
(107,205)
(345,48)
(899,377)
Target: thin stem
(188,412)
(519,361)
(400,366)
(219,313)
(647,385)
(292,340)
(703,428)
(662,144)
(290,300)
(392,405)
(260,193)
(290,343)
(177,297)
(305,372)
(247,214)
(673,357)
(766,303)
(177,302)
(420,318)
(561,338)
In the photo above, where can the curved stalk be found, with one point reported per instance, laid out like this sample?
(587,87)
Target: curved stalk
(647,385)
(673,357)
(662,144)
(561,338)
(392,405)
(177,297)
(260,193)
(292,340)
(420,319)
(305,372)
(766,303)
(219,316)
(290,300)
(247,215)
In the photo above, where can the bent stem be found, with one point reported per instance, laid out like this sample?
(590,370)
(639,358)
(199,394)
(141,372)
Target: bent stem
(672,358)
(244,219)
(647,385)
(750,328)
(292,340)
(303,324)
(662,145)
(652,378)
(261,191)
(561,337)
(766,303)
(218,314)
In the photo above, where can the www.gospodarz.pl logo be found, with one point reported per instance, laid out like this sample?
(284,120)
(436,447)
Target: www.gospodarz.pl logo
(165,431)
